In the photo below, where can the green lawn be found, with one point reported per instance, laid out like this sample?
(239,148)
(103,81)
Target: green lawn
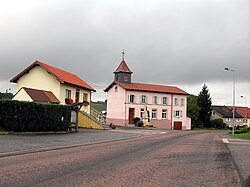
(242,136)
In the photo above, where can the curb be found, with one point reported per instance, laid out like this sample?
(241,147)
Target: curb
(14,153)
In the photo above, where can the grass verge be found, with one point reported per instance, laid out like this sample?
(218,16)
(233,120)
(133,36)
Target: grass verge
(242,136)
(195,128)
(3,132)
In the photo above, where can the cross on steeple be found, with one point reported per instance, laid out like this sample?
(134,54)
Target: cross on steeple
(123,55)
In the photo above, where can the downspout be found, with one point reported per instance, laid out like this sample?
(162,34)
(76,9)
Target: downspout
(172,111)
(125,104)
(90,97)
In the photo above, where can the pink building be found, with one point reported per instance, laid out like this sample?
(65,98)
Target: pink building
(166,105)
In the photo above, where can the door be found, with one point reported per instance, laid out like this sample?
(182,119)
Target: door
(131,115)
(177,125)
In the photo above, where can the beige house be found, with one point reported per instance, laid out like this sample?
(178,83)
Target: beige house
(226,114)
(41,82)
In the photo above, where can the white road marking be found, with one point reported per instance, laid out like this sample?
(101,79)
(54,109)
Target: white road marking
(225,140)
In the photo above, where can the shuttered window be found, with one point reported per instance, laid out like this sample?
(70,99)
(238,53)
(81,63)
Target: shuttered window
(177,113)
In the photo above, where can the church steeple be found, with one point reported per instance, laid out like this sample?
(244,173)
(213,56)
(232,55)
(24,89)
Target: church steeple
(123,73)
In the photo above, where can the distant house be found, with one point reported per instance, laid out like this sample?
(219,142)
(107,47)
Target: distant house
(244,112)
(226,114)
(41,82)
(164,106)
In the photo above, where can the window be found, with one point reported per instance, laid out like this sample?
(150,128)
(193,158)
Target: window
(228,119)
(154,111)
(164,114)
(116,88)
(85,97)
(144,99)
(155,100)
(68,94)
(182,102)
(164,100)
(77,95)
(131,99)
(176,102)
(178,113)
(142,112)
(125,78)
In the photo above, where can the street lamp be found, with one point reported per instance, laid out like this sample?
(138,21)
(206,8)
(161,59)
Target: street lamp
(245,108)
(227,69)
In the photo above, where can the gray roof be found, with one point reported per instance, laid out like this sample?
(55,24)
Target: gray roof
(225,112)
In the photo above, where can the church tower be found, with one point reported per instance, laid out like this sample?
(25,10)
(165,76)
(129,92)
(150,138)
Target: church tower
(123,73)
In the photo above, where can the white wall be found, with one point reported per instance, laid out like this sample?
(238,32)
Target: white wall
(38,78)
(62,97)
(115,102)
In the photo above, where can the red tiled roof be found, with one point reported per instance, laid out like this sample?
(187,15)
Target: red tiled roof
(150,88)
(123,68)
(242,110)
(41,95)
(61,75)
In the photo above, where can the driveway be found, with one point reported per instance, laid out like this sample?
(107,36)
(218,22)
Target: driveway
(31,142)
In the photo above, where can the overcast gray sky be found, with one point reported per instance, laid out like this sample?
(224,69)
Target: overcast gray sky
(185,43)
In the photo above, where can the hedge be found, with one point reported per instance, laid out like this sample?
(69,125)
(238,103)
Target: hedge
(241,131)
(21,116)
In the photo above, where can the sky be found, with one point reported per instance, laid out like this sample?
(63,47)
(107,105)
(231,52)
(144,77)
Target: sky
(183,43)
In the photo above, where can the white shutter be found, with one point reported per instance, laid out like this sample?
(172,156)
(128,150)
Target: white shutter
(128,98)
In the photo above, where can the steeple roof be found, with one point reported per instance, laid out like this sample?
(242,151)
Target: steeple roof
(123,68)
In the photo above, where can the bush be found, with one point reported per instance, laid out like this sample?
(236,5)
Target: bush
(136,119)
(20,116)
(218,124)
(139,124)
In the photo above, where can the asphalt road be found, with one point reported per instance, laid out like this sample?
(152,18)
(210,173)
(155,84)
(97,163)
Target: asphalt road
(170,159)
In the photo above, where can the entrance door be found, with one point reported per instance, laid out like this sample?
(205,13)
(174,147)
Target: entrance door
(177,125)
(131,115)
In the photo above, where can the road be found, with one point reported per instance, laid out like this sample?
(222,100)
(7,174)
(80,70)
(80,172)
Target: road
(170,159)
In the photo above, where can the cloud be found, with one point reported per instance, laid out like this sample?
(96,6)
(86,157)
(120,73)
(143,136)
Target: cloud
(184,42)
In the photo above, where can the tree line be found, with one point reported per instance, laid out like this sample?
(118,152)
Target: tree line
(6,95)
